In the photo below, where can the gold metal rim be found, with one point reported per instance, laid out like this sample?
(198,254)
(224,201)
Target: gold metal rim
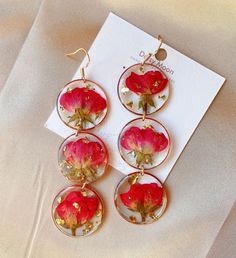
(165,198)
(77,186)
(72,127)
(154,120)
(119,96)
(99,140)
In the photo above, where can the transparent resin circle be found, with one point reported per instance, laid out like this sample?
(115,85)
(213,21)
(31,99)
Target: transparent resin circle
(140,199)
(83,158)
(82,105)
(147,91)
(144,143)
(77,211)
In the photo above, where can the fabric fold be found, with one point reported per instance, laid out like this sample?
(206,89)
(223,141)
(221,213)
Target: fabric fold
(17,18)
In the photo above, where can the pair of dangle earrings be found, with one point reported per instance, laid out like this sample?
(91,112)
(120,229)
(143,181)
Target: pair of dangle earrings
(82,105)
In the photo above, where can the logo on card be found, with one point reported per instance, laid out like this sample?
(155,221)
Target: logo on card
(158,63)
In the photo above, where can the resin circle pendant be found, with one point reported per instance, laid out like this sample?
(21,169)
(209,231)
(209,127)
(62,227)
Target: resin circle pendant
(83,158)
(82,104)
(143,89)
(140,199)
(144,143)
(77,211)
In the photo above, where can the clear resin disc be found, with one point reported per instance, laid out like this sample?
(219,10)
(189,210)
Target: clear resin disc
(140,199)
(83,158)
(82,104)
(143,89)
(77,211)
(144,143)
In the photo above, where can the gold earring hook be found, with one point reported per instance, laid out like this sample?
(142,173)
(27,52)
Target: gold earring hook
(160,39)
(146,58)
(82,74)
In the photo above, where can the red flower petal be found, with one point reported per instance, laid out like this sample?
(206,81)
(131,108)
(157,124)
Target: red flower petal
(131,137)
(84,153)
(92,205)
(72,100)
(144,140)
(153,196)
(143,198)
(77,209)
(88,207)
(97,153)
(82,98)
(134,197)
(96,102)
(74,196)
(136,83)
(160,142)
(151,82)
(66,209)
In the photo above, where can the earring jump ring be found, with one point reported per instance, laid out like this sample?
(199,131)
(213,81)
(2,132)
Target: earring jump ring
(142,171)
(160,39)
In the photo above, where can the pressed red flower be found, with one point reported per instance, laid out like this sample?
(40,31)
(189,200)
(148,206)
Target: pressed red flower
(84,157)
(146,85)
(83,98)
(86,104)
(143,198)
(76,210)
(143,143)
(151,82)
